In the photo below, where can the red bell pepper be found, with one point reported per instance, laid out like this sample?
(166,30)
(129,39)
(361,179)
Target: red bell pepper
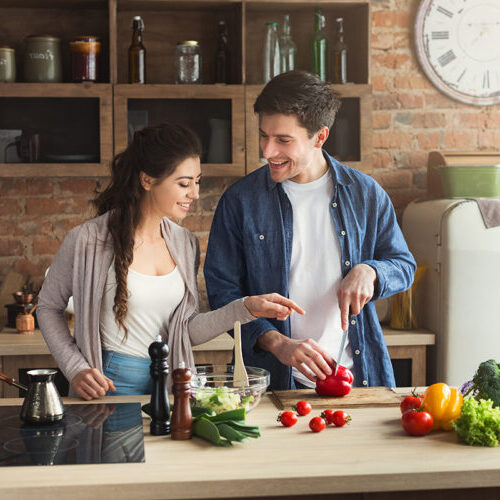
(335,385)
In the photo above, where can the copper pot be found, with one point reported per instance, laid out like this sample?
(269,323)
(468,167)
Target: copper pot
(25,323)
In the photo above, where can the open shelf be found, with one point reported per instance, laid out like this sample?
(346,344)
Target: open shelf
(356,25)
(167,23)
(193,106)
(64,19)
(74,122)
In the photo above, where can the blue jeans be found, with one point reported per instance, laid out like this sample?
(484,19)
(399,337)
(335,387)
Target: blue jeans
(130,374)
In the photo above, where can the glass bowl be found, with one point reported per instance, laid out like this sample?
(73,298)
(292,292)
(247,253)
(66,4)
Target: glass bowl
(212,387)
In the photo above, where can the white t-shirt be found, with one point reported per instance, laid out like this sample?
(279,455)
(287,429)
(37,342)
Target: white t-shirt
(152,301)
(315,269)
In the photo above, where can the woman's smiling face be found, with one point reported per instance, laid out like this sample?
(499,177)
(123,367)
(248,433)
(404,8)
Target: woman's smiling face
(173,196)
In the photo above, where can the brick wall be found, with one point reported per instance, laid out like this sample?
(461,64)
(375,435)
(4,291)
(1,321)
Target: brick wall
(410,118)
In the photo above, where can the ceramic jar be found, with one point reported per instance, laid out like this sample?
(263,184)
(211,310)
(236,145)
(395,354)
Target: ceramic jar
(42,59)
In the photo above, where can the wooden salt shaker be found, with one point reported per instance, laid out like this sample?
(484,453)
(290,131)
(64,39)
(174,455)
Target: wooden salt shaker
(181,414)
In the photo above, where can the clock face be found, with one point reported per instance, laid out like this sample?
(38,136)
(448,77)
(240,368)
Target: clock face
(458,46)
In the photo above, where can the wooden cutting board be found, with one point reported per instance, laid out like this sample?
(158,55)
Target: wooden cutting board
(358,397)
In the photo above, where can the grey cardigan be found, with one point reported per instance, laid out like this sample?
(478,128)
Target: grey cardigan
(80,269)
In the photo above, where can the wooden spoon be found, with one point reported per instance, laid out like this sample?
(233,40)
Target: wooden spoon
(240,376)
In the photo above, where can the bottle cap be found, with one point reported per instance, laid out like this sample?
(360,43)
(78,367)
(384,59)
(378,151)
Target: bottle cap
(182,364)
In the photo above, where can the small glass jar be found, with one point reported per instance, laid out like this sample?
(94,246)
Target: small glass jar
(7,65)
(42,59)
(188,62)
(85,51)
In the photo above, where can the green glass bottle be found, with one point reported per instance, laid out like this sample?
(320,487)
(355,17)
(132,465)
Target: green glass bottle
(319,46)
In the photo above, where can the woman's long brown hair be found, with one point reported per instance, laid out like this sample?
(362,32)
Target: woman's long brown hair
(156,151)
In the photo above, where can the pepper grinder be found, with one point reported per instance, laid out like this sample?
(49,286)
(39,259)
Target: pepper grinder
(160,407)
(181,414)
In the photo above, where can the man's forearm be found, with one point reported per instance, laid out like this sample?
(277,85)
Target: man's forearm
(270,340)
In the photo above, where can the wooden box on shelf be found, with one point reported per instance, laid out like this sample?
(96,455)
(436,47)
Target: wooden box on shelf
(73,113)
(72,120)
(190,105)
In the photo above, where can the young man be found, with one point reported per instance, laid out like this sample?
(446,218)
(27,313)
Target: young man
(312,229)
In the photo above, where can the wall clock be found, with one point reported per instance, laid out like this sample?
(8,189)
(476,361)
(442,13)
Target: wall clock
(458,47)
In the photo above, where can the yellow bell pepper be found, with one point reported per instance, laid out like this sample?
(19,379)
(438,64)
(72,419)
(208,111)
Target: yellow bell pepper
(444,403)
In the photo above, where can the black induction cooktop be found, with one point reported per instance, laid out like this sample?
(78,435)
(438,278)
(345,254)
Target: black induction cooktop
(88,434)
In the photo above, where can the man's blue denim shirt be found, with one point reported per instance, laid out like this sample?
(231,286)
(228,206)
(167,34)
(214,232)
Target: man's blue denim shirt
(249,253)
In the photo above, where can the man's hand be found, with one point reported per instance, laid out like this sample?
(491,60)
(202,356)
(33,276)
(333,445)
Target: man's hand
(91,384)
(355,290)
(271,305)
(298,354)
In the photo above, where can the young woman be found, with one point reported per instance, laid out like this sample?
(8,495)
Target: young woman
(132,273)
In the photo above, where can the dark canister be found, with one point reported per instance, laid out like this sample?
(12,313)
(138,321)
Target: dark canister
(7,64)
(42,59)
(85,55)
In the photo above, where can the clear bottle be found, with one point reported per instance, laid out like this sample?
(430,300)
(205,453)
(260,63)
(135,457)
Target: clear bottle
(339,51)
(319,46)
(222,69)
(288,49)
(271,60)
(137,53)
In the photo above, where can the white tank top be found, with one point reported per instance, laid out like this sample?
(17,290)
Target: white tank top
(152,301)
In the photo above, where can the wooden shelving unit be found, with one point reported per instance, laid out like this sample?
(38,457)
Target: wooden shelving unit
(166,22)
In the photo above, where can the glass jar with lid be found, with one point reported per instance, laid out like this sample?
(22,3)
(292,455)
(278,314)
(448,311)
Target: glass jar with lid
(188,62)
(42,59)
(85,51)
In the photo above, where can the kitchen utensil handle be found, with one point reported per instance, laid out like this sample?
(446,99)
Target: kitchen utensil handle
(11,381)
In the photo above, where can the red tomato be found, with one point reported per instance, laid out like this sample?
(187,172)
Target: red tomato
(317,424)
(287,418)
(328,415)
(410,403)
(340,418)
(303,408)
(335,385)
(417,423)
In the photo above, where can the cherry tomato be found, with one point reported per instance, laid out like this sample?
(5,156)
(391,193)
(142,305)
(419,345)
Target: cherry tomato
(303,408)
(328,415)
(317,424)
(417,423)
(287,418)
(340,418)
(410,403)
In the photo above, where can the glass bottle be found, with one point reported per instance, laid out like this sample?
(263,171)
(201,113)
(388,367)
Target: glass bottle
(222,69)
(288,49)
(271,58)
(137,53)
(339,54)
(319,46)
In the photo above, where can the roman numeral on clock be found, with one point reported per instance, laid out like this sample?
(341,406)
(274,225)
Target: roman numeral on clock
(440,35)
(446,58)
(486,80)
(444,11)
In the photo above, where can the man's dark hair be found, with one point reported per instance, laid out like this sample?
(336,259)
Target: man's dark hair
(302,94)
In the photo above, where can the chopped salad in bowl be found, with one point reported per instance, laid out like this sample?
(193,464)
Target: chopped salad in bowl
(212,387)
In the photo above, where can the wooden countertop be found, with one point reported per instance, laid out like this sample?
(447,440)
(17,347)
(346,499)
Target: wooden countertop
(14,344)
(372,454)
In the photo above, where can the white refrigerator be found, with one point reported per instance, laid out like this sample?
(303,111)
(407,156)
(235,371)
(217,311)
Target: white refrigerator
(458,297)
